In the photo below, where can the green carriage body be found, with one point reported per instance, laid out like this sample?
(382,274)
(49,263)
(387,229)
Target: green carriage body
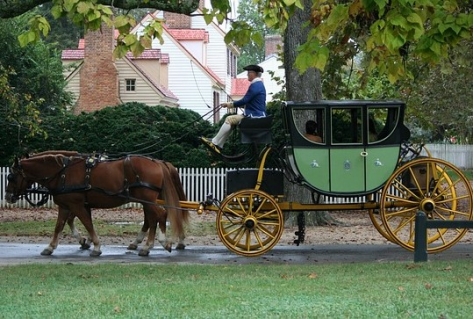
(355,157)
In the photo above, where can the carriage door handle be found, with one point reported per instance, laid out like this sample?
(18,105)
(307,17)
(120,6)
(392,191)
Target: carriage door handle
(363,154)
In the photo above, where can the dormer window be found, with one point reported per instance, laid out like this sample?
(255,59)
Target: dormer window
(129,85)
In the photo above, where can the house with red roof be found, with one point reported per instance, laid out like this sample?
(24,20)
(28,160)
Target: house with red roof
(98,80)
(201,66)
(192,69)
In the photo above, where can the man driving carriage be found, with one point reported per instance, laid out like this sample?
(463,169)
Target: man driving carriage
(253,103)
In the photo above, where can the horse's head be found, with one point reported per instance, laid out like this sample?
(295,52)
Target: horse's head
(17,183)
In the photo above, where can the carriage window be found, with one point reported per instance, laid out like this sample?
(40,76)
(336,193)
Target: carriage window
(310,123)
(346,125)
(381,122)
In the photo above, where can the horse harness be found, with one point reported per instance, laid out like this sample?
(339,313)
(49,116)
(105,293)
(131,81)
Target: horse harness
(91,161)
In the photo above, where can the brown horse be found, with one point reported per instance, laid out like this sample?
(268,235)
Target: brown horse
(78,184)
(85,242)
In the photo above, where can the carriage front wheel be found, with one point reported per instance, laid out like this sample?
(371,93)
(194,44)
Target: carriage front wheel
(433,186)
(249,222)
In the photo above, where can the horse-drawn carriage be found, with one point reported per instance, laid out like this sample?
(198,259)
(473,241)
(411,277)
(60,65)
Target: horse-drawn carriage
(362,153)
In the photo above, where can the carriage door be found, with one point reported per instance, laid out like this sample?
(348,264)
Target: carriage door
(347,165)
(382,148)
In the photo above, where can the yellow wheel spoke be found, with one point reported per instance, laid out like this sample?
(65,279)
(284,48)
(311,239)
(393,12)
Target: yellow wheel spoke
(403,223)
(247,239)
(259,240)
(266,214)
(233,212)
(265,231)
(232,231)
(400,212)
(414,179)
(239,235)
(403,189)
(451,212)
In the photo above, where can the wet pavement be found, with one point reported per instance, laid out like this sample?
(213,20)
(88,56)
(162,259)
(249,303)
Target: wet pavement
(13,253)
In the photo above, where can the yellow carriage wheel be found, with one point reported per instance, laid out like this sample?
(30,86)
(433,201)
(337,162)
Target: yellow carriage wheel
(433,186)
(249,222)
(374,214)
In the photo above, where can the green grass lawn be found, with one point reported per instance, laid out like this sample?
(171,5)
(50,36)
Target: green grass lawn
(376,290)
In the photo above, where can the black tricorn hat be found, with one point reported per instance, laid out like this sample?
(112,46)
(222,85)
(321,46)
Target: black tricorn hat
(254,68)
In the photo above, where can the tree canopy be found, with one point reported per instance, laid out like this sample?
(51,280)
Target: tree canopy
(388,31)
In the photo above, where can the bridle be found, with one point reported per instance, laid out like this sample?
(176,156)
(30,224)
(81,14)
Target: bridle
(12,178)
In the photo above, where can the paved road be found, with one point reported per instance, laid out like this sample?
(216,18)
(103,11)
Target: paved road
(12,253)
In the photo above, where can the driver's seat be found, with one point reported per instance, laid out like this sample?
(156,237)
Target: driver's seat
(256,130)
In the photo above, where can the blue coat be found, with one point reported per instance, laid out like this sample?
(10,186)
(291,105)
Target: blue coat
(254,100)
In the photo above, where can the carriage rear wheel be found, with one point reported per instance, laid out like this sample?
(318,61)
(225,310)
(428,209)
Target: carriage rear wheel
(433,186)
(409,152)
(249,222)
(374,215)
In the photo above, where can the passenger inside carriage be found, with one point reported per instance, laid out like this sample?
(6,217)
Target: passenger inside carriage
(311,132)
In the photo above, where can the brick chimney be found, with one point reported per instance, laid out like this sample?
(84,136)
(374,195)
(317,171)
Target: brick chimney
(98,75)
(273,44)
(179,21)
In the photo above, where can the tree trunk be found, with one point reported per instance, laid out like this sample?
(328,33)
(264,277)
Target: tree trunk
(301,87)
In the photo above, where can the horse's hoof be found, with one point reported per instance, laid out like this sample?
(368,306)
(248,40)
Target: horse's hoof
(95,253)
(132,247)
(168,247)
(46,252)
(180,246)
(84,244)
(143,252)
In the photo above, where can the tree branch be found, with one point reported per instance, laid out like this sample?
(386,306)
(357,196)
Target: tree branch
(13,8)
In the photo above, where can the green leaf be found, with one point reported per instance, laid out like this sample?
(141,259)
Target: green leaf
(436,48)
(23,39)
(146,41)
(121,21)
(208,18)
(105,9)
(56,11)
(130,39)
(120,51)
(415,19)
(397,20)
(257,38)
(84,7)
(381,4)
(69,4)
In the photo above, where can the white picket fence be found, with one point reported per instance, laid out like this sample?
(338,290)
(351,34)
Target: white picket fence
(199,182)
(458,155)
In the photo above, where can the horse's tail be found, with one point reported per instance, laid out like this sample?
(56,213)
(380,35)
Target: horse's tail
(171,196)
(179,189)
